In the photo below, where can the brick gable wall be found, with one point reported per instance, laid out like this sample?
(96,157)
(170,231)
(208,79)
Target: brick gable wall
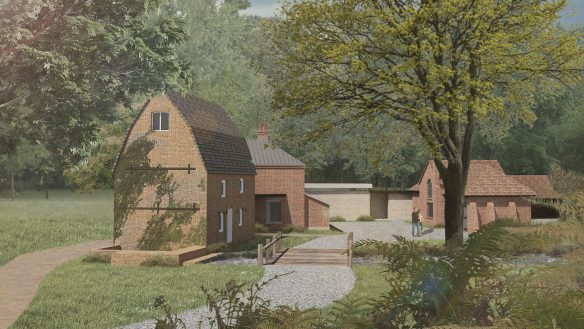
(177,148)
(285,182)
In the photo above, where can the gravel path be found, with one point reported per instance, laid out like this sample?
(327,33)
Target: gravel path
(385,230)
(305,286)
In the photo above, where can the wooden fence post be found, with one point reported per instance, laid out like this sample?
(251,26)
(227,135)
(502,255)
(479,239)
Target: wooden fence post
(350,249)
(280,240)
(268,256)
(260,254)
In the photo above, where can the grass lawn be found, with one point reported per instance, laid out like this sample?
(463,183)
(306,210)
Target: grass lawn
(96,295)
(31,222)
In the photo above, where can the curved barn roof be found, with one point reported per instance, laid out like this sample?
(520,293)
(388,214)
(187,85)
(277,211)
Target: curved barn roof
(222,146)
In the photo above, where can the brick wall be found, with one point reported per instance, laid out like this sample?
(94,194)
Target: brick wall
(287,183)
(422,199)
(503,208)
(233,200)
(316,213)
(173,148)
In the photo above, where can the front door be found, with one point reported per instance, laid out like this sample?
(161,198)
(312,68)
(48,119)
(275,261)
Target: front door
(229,225)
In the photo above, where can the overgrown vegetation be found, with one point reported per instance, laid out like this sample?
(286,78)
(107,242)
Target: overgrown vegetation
(292,228)
(32,223)
(260,228)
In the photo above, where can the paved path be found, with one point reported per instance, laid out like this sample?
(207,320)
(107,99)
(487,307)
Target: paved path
(20,278)
(385,230)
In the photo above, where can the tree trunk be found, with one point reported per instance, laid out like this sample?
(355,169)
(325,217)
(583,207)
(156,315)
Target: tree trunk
(12,192)
(46,184)
(454,186)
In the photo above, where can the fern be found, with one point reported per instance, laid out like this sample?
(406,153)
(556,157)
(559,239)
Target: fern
(569,188)
(433,285)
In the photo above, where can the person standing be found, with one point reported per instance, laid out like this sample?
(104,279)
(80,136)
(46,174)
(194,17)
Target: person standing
(419,223)
(416,222)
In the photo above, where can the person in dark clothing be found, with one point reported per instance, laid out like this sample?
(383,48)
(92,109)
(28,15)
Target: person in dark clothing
(416,231)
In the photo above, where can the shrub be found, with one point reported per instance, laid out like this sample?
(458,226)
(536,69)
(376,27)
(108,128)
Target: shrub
(365,218)
(164,315)
(159,260)
(260,228)
(337,219)
(98,257)
(580,280)
(217,247)
(292,228)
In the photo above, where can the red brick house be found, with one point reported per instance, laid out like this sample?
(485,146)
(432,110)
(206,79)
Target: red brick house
(279,186)
(490,194)
(184,177)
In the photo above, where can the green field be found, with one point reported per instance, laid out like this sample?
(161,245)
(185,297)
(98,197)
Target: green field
(31,222)
(97,295)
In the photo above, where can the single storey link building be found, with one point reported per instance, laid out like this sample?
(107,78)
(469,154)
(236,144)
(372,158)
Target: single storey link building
(280,197)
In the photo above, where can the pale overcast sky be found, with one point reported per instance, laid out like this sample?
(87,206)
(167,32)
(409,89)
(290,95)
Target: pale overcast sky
(269,7)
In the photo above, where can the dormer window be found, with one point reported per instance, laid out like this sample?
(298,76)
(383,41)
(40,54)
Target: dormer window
(223,188)
(241,185)
(160,121)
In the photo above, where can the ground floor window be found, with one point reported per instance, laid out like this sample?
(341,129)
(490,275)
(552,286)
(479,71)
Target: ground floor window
(274,211)
(240,216)
(429,210)
(221,221)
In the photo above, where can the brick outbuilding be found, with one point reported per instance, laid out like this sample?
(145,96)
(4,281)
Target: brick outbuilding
(490,194)
(184,177)
(279,186)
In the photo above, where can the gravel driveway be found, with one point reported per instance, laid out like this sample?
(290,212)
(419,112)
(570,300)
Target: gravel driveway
(385,230)
(305,286)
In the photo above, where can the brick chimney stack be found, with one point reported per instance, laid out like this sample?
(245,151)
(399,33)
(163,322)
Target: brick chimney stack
(262,131)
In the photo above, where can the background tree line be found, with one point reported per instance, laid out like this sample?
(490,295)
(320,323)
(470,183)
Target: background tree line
(227,58)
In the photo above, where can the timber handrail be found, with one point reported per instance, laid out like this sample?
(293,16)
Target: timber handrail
(271,247)
(350,249)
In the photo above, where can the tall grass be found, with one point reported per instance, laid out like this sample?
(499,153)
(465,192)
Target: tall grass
(31,222)
(96,295)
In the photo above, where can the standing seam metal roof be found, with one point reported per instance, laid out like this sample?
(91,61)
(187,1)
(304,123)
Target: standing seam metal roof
(264,154)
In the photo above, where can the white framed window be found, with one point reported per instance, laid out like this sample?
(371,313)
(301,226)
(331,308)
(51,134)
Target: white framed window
(241,185)
(221,221)
(240,216)
(160,121)
(223,188)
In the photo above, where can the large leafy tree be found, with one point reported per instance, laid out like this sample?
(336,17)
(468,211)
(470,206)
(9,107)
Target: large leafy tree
(225,51)
(441,66)
(66,64)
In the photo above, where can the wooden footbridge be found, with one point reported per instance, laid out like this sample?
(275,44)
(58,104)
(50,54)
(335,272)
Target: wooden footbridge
(272,253)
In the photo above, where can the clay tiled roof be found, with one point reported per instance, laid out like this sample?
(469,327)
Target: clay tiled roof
(263,154)
(487,178)
(539,183)
(222,146)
